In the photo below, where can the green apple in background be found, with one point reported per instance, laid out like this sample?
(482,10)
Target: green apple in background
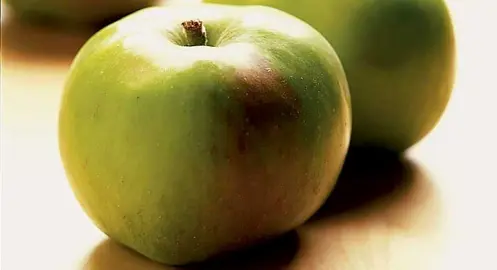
(75,12)
(399,60)
(191,130)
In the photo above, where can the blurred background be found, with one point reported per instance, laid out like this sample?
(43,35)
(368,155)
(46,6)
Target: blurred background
(435,208)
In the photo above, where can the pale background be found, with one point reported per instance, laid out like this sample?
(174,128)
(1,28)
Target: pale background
(442,217)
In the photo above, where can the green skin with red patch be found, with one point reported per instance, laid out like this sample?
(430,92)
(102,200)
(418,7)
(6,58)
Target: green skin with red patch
(182,150)
(399,58)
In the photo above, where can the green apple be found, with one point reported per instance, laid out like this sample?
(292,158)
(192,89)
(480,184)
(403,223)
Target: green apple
(188,131)
(75,12)
(399,59)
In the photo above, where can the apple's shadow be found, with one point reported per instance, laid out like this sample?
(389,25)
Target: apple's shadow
(40,42)
(45,39)
(374,187)
(384,213)
(272,255)
(369,175)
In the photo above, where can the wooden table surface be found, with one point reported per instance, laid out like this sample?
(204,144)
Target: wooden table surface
(434,209)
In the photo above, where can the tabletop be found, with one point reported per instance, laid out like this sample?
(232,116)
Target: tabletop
(434,208)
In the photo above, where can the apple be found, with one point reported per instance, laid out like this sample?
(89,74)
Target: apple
(398,57)
(187,131)
(75,12)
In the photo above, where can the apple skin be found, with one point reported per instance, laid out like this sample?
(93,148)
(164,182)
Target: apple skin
(75,12)
(399,58)
(186,152)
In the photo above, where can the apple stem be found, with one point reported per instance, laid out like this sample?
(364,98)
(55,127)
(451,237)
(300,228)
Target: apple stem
(195,32)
